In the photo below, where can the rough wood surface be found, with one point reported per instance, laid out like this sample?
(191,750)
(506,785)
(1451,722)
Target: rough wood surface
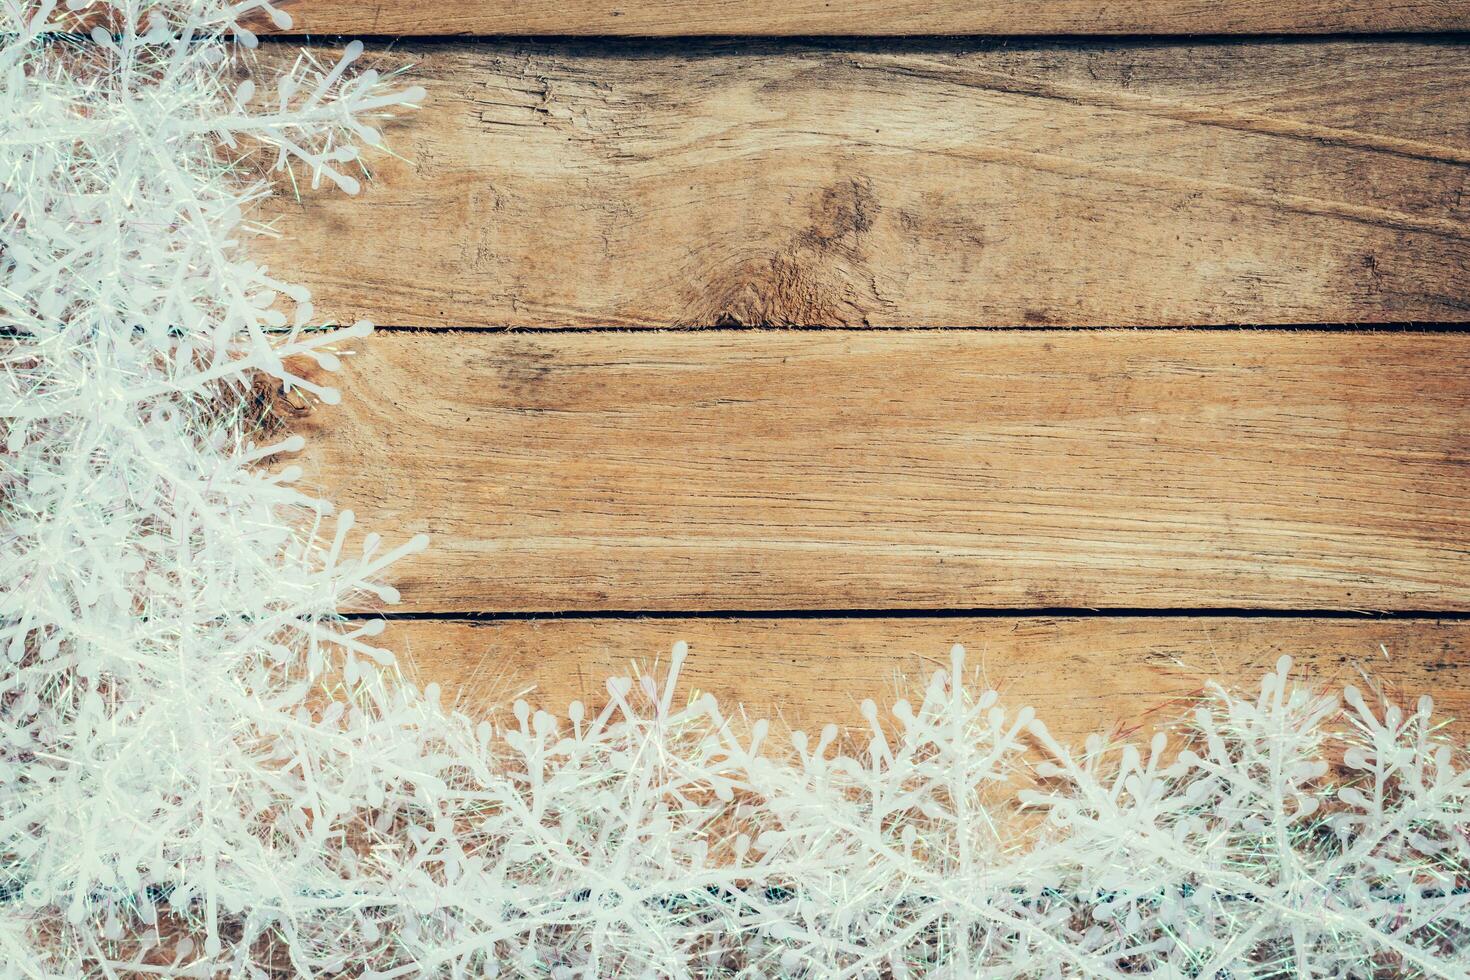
(1081,674)
(744,470)
(875,17)
(710,184)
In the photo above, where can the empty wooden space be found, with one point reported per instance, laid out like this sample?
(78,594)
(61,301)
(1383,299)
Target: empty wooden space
(822,513)
(740,470)
(937,184)
(874,17)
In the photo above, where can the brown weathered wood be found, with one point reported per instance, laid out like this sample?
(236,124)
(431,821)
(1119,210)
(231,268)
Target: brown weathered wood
(875,17)
(744,470)
(1174,185)
(1082,675)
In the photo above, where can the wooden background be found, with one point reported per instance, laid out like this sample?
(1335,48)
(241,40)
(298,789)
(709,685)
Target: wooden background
(1125,357)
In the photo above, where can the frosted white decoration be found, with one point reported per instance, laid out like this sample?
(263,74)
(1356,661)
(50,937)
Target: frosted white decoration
(205,771)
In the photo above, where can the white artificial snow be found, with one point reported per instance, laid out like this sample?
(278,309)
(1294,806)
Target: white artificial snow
(204,771)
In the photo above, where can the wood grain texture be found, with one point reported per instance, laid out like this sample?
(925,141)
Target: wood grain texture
(1082,674)
(919,469)
(874,17)
(725,185)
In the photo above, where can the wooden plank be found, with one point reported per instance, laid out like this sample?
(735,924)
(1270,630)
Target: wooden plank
(1081,674)
(874,17)
(743,470)
(724,185)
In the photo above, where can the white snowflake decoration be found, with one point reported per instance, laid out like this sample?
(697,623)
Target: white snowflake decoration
(204,771)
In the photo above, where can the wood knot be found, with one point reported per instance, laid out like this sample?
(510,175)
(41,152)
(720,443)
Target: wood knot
(818,278)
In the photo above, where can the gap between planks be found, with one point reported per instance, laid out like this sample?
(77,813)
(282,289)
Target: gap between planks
(1414,327)
(1193,612)
(872,17)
